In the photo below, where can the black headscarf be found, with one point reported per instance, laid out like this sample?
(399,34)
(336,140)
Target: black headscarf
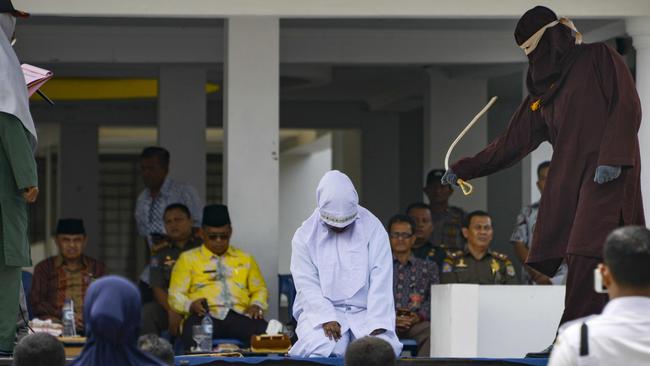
(550,62)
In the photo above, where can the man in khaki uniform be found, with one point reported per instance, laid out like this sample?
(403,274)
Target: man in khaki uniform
(477,263)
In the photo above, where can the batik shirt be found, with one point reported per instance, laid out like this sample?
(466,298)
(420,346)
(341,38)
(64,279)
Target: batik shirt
(53,283)
(412,285)
(231,281)
(149,210)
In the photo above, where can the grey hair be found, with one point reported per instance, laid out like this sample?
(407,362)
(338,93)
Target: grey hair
(157,347)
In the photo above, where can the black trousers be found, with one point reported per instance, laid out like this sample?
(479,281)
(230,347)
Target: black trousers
(235,326)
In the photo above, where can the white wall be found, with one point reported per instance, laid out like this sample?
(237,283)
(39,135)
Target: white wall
(300,172)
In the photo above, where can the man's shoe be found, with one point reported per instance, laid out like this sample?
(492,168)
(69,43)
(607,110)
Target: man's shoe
(546,353)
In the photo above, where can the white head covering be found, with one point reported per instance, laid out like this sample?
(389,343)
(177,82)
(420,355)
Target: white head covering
(337,199)
(13,91)
(338,254)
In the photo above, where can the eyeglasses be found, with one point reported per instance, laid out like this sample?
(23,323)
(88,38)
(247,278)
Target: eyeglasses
(218,236)
(400,235)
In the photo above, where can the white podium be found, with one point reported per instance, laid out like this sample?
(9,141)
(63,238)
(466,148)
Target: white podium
(493,321)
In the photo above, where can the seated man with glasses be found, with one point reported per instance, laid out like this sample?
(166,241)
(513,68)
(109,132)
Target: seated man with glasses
(412,280)
(225,278)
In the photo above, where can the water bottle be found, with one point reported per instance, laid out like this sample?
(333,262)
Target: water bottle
(68,319)
(206,323)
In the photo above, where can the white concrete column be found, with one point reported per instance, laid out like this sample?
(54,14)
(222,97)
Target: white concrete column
(380,164)
(639,29)
(251,128)
(450,105)
(182,122)
(79,179)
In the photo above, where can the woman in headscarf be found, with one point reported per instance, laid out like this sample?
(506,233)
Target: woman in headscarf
(342,267)
(582,99)
(18,178)
(112,314)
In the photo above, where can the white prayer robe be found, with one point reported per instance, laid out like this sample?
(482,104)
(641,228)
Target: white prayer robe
(345,277)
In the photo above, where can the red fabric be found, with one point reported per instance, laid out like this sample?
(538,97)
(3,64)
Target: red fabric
(580,299)
(593,120)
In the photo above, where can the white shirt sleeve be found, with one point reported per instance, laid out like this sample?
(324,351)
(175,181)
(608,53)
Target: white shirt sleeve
(565,352)
(190,198)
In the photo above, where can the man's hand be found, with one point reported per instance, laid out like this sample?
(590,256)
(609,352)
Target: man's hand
(255,312)
(402,323)
(607,173)
(449,178)
(174,321)
(405,321)
(197,307)
(332,330)
(542,279)
(30,194)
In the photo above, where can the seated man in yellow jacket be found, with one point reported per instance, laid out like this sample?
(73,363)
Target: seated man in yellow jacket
(227,278)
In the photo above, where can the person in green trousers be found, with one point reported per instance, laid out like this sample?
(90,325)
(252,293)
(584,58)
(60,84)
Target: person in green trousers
(18,179)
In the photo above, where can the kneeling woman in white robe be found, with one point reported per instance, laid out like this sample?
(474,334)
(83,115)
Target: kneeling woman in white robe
(342,268)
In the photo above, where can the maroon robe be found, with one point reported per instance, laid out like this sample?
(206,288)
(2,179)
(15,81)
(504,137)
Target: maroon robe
(592,120)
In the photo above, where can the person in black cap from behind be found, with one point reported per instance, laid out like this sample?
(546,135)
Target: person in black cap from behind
(447,220)
(221,281)
(66,275)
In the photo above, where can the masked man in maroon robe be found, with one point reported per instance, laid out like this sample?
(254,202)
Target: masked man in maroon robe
(582,100)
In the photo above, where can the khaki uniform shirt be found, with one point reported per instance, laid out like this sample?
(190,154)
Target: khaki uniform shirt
(493,269)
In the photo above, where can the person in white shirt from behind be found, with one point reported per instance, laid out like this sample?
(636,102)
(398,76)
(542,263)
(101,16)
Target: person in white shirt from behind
(342,267)
(621,334)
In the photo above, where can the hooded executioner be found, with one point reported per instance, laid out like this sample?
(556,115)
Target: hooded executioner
(582,100)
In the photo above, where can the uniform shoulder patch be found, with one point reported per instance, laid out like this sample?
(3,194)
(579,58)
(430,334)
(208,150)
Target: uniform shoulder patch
(500,256)
(454,253)
(446,266)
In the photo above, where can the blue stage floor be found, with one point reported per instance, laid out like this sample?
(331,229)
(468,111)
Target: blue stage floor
(278,360)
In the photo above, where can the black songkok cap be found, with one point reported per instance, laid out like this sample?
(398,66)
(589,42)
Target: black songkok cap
(435,176)
(70,226)
(216,215)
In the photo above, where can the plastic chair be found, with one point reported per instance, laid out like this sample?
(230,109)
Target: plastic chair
(287,288)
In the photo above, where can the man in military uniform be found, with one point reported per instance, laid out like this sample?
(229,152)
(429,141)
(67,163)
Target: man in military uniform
(423,248)
(181,236)
(477,263)
(447,220)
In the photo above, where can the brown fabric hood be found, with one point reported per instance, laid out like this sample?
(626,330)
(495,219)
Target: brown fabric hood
(551,61)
